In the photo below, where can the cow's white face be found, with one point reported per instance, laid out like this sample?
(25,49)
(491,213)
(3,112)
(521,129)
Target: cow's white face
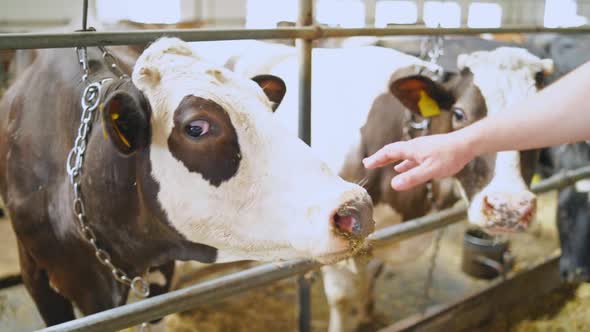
(230,176)
(489,82)
(500,199)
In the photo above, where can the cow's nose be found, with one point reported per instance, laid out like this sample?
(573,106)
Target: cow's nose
(510,210)
(354,218)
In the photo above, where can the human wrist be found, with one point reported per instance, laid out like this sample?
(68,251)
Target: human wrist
(470,141)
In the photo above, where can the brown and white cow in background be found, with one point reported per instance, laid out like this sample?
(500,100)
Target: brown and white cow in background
(383,90)
(189,165)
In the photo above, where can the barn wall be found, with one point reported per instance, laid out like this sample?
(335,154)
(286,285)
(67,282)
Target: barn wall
(20,14)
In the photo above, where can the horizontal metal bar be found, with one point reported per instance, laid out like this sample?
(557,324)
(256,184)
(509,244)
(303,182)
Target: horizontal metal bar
(562,180)
(217,289)
(186,298)
(60,40)
(419,31)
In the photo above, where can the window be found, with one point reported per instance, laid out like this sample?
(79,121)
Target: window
(562,13)
(395,11)
(267,13)
(447,14)
(146,11)
(484,15)
(344,13)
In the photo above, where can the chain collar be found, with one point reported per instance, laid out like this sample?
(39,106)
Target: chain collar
(431,49)
(90,100)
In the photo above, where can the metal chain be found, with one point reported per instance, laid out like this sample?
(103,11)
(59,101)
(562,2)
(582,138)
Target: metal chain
(430,274)
(112,63)
(75,160)
(431,49)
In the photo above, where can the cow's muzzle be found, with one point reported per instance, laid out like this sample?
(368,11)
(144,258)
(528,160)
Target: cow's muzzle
(354,218)
(509,212)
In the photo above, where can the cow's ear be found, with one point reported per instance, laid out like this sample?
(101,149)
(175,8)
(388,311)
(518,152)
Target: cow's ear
(273,87)
(125,120)
(422,95)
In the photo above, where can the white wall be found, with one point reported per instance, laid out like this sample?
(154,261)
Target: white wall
(28,10)
(224,12)
(24,15)
(31,14)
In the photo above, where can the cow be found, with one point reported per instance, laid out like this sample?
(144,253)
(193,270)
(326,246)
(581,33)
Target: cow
(185,162)
(366,97)
(573,210)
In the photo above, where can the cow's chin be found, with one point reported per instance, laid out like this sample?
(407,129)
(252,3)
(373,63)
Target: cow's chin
(495,224)
(337,250)
(347,250)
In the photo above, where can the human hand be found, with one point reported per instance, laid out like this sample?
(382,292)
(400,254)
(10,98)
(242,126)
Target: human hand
(423,158)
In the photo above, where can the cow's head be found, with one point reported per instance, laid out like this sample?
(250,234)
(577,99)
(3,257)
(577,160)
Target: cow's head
(488,82)
(228,175)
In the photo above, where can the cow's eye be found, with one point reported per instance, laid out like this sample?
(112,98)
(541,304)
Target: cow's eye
(459,114)
(197,128)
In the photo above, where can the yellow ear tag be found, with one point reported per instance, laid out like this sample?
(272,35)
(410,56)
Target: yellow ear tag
(104,130)
(115,116)
(428,106)
(536,178)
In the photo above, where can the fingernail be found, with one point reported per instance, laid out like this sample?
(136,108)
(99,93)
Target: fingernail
(366,161)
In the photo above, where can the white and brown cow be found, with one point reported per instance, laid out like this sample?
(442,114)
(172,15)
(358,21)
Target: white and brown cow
(366,97)
(189,165)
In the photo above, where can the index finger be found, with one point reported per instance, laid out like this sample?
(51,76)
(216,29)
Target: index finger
(386,155)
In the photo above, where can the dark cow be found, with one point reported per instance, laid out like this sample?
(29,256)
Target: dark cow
(573,222)
(184,163)
(573,210)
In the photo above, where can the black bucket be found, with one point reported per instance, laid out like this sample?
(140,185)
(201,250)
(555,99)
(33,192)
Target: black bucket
(484,256)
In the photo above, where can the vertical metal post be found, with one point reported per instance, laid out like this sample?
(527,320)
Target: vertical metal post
(85,15)
(304,297)
(304,47)
(420,12)
(464,5)
(370,12)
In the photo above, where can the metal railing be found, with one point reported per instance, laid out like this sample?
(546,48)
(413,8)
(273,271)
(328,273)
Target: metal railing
(61,40)
(220,288)
(213,290)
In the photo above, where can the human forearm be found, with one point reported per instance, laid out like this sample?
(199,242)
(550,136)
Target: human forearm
(558,114)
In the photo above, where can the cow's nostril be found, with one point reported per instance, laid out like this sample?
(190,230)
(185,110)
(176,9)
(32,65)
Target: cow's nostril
(487,205)
(346,223)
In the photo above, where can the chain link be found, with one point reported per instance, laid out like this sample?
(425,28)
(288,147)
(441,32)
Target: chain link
(431,49)
(75,160)
(112,63)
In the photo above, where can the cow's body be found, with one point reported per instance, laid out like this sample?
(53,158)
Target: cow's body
(573,218)
(39,198)
(352,88)
(184,163)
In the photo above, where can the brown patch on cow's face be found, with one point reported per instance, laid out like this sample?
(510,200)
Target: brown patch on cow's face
(470,106)
(477,174)
(204,140)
